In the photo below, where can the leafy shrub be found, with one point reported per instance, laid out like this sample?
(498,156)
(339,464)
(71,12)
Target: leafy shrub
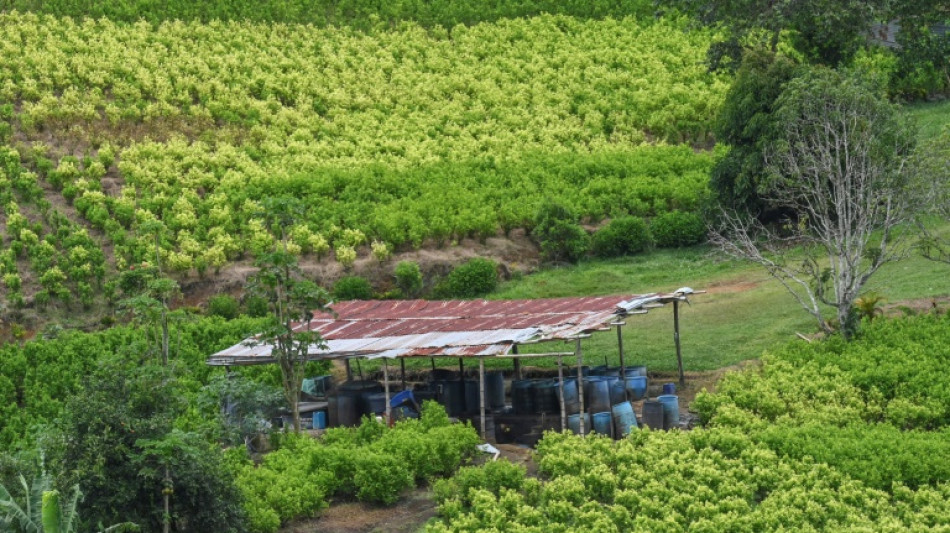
(558,234)
(473,278)
(256,306)
(224,306)
(380,477)
(352,288)
(678,228)
(492,476)
(622,236)
(408,278)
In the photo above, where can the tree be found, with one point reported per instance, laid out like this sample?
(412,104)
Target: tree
(824,31)
(117,440)
(292,301)
(747,124)
(841,166)
(933,164)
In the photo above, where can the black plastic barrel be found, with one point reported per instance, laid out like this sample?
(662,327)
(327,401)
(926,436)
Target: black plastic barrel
(451,394)
(376,403)
(572,404)
(545,397)
(357,392)
(441,374)
(653,414)
(473,396)
(494,390)
(332,411)
(596,394)
(522,397)
(347,409)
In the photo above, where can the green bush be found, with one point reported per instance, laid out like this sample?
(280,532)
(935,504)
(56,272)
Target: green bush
(224,306)
(408,278)
(558,235)
(678,228)
(352,288)
(380,477)
(492,476)
(473,278)
(256,306)
(622,236)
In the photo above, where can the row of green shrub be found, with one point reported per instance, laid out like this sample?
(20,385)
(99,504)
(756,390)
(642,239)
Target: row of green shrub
(372,462)
(362,14)
(561,238)
(823,436)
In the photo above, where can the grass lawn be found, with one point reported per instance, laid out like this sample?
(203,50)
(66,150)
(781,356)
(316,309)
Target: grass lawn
(931,117)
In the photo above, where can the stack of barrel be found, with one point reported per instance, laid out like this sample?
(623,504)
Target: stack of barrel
(463,396)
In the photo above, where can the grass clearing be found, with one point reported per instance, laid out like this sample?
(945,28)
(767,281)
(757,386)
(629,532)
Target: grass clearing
(931,117)
(743,313)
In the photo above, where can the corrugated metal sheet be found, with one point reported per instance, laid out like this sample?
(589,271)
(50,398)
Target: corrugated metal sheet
(407,328)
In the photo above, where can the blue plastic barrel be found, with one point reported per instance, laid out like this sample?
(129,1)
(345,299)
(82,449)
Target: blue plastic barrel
(603,423)
(669,388)
(618,391)
(574,423)
(319,420)
(653,414)
(671,410)
(571,399)
(400,398)
(639,370)
(624,418)
(636,387)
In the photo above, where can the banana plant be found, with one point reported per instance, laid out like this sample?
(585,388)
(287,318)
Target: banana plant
(43,511)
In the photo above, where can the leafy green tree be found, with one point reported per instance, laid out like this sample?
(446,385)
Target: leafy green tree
(558,234)
(824,31)
(748,125)
(408,278)
(117,439)
(292,301)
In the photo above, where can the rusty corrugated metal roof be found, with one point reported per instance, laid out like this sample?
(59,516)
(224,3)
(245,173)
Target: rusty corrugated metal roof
(407,328)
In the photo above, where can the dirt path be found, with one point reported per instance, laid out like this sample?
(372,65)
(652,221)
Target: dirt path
(407,516)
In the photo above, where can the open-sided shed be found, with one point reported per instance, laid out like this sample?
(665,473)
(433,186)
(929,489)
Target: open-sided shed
(391,329)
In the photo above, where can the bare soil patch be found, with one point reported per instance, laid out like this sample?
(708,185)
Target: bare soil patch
(407,516)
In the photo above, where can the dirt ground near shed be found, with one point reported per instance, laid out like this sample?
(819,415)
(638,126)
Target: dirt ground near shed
(417,506)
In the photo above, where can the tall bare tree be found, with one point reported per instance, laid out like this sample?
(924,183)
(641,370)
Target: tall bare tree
(933,164)
(840,164)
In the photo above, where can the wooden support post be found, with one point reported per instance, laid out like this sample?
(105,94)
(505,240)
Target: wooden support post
(514,350)
(620,347)
(580,381)
(432,360)
(676,340)
(359,368)
(402,366)
(560,381)
(349,371)
(481,393)
(389,415)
